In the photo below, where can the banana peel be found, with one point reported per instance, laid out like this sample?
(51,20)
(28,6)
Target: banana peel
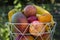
(10,13)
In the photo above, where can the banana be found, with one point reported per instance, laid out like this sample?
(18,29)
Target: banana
(40,10)
(10,13)
(52,21)
(47,28)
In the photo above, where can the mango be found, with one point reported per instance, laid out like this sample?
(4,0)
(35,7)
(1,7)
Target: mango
(20,21)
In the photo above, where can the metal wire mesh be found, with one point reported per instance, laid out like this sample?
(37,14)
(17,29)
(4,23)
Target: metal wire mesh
(13,34)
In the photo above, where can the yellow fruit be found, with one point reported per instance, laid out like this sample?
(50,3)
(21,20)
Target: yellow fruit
(44,18)
(40,10)
(52,24)
(10,13)
(42,14)
(52,21)
(47,28)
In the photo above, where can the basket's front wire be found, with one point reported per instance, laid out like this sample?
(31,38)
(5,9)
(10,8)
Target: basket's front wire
(12,34)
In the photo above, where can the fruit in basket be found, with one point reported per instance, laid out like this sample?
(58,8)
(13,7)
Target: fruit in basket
(44,37)
(39,38)
(44,17)
(10,13)
(51,24)
(52,21)
(29,10)
(40,10)
(27,37)
(36,28)
(21,19)
(32,18)
(47,28)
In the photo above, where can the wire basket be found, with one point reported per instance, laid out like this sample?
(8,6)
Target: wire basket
(16,35)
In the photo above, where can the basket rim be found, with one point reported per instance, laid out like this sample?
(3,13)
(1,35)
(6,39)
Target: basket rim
(30,23)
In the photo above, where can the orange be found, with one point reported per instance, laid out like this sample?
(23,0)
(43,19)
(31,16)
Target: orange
(44,18)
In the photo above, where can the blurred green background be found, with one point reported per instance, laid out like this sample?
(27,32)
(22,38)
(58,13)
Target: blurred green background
(52,6)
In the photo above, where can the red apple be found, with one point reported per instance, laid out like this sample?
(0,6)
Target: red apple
(29,10)
(32,18)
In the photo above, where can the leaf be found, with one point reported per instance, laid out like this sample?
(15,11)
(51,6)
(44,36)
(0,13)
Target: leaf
(15,1)
(52,1)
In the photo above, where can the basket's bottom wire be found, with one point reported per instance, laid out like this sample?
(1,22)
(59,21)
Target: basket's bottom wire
(13,37)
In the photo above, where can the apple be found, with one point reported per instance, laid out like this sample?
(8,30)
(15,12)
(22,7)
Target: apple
(32,18)
(29,10)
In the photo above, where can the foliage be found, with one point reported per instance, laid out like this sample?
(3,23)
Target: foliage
(17,4)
